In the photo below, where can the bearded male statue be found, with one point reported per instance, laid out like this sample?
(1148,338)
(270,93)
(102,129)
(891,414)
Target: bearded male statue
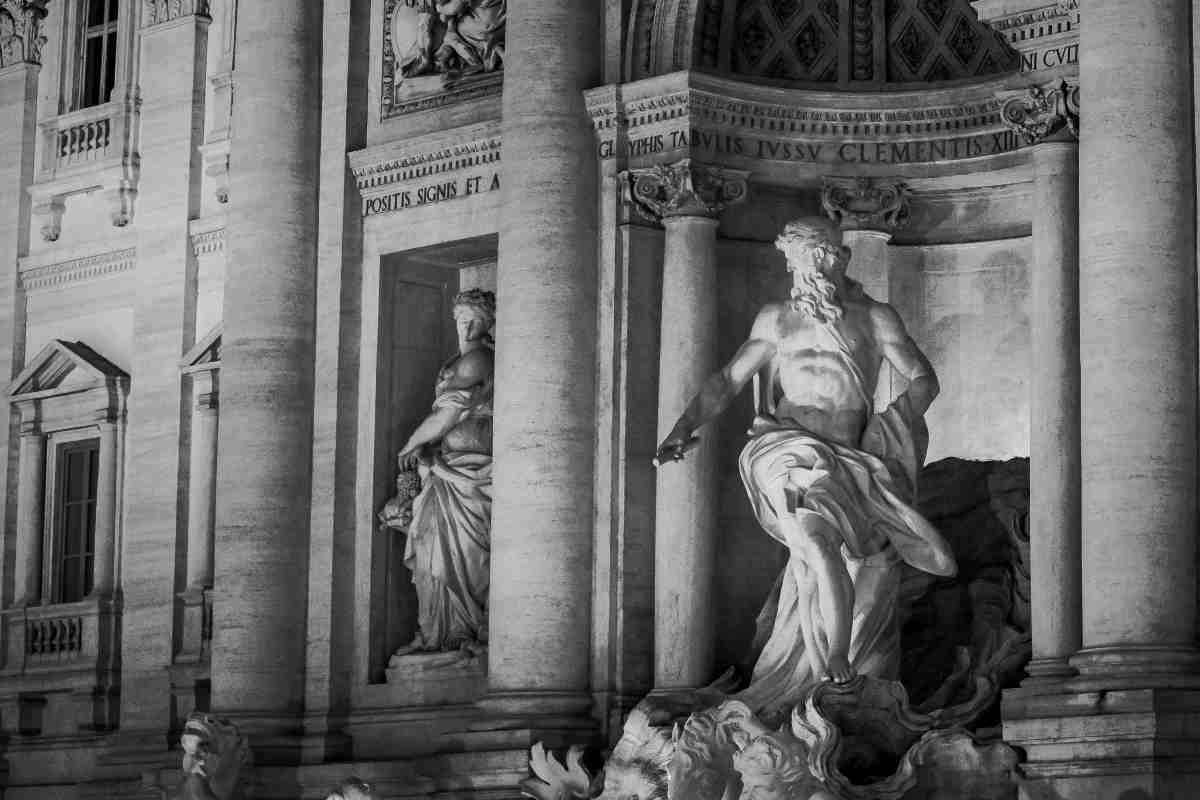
(828,478)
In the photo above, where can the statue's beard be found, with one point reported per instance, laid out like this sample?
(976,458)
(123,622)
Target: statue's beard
(814,296)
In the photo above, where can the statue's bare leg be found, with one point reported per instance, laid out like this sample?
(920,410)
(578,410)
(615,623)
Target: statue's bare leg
(820,545)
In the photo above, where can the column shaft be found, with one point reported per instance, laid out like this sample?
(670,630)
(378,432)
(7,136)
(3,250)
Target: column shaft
(30,499)
(1137,339)
(869,266)
(265,436)
(202,475)
(545,363)
(687,491)
(104,566)
(1054,537)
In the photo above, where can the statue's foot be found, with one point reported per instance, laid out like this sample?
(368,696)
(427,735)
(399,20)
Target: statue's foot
(417,645)
(839,670)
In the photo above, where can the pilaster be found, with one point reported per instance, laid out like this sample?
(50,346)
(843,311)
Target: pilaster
(173,48)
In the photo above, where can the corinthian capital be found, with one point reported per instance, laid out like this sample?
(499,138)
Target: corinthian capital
(1044,112)
(865,203)
(685,189)
(21,36)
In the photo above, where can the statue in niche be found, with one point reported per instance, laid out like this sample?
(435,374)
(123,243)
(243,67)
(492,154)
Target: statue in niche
(454,38)
(827,478)
(448,521)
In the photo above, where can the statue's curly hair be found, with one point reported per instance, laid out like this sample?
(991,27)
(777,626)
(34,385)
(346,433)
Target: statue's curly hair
(481,302)
(810,231)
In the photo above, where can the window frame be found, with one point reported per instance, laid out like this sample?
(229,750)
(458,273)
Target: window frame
(109,33)
(57,442)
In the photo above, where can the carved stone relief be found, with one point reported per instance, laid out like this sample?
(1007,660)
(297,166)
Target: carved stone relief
(156,11)
(214,752)
(865,203)
(1044,112)
(433,46)
(685,188)
(21,36)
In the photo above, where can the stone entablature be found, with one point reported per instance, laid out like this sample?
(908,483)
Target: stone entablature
(37,275)
(1045,34)
(430,169)
(721,120)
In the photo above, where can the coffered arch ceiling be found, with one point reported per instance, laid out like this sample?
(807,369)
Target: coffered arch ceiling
(865,45)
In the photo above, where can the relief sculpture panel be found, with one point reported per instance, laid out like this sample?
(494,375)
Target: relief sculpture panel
(438,46)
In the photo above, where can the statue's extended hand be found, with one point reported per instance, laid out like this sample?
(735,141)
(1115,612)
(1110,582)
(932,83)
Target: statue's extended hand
(408,459)
(674,447)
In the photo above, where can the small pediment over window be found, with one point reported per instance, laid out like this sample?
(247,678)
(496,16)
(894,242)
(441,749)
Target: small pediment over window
(64,367)
(206,353)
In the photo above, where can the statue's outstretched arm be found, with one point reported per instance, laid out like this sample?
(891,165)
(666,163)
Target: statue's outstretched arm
(722,387)
(903,354)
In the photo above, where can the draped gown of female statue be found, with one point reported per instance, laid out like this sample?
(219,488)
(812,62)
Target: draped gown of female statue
(449,545)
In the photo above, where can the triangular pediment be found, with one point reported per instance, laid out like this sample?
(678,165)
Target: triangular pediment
(63,367)
(206,353)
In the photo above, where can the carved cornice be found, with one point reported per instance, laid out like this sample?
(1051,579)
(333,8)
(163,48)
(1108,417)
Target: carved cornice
(207,242)
(685,189)
(866,203)
(377,168)
(1042,113)
(155,12)
(22,42)
(78,269)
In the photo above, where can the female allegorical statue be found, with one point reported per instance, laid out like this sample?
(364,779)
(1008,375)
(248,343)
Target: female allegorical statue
(449,537)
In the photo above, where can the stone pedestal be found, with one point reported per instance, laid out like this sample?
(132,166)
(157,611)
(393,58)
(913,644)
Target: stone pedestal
(264,448)
(688,198)
(538,662)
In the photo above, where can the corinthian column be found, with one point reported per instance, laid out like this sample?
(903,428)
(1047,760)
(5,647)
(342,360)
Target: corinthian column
(869,211)
(1138,351)
(265,439)
(688,198)
(1048,119)
(538,662)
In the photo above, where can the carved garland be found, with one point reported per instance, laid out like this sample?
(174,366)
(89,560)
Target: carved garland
(21,37)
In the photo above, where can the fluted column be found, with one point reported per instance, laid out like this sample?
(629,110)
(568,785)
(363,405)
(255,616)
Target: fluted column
(1138,351)
(30,499)
(1047,118)
(264,453)
(202,475)
(105,562)
(688,198)
(869,211)
(540,634)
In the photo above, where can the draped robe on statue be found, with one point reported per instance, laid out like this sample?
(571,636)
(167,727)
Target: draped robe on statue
(449,540)
(866,494)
